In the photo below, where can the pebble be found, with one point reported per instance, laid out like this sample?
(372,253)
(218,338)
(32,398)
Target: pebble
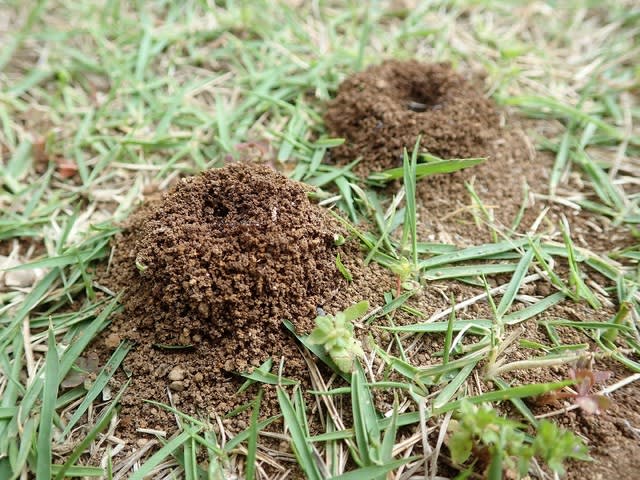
(198,377)
(176,374)
(176,386)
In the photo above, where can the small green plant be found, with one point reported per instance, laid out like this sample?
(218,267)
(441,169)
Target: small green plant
(584,395)
(503,446)
(335,334)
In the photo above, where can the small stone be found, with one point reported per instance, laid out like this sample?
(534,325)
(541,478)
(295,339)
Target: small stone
(198,377)
(176,374)
(18,278)
(176,386)
(141,442)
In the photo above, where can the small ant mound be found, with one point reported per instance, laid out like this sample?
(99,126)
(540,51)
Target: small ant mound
(385,108)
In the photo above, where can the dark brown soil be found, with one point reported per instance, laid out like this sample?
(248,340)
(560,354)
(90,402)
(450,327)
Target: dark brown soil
(386,107)
(214,267)
(227,256)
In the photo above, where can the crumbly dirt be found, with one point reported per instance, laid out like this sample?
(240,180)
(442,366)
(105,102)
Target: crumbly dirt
(385,108)
(374,113)
(209,272)
(227,255)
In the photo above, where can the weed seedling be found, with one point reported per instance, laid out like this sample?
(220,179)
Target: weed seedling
(335,334)
(503,446)
(584,397)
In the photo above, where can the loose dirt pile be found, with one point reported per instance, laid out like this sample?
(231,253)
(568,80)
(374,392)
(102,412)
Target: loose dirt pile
(386,107)
(227,256)
(209,272)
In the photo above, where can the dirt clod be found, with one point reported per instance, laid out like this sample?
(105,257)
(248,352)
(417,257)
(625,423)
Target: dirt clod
(176,374)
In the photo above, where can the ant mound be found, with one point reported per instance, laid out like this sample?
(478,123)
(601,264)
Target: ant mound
(226,256)
(386,107)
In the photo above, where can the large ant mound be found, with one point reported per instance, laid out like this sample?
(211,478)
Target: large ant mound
(386,107)
(208,273)
(227,256)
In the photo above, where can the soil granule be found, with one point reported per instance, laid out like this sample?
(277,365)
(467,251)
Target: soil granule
(385,108)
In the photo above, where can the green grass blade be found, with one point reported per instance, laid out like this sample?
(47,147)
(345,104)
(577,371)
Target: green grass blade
(49,395)
(517,402)
(27,437)
(365,419)
(560,164)
(300,442)
(189,461)
(473,253)
(434,167)
(480,326)
(160,456)
(79,471)
(533,310)
(389,439)
(101,424)
(448,338)
(453,386)
(233,443)
(98,385)
(466,271)
(252,444)
(32,300)
(267,377)
(264,368)
(514,285)
(410,216)
(523,391)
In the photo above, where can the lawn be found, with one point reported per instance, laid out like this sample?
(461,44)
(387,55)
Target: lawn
(319,239)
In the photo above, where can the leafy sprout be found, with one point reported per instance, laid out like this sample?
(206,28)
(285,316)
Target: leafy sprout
(586,379)
(335,334)
(503,445)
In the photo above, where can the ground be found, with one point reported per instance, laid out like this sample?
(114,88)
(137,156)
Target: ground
(156,320)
